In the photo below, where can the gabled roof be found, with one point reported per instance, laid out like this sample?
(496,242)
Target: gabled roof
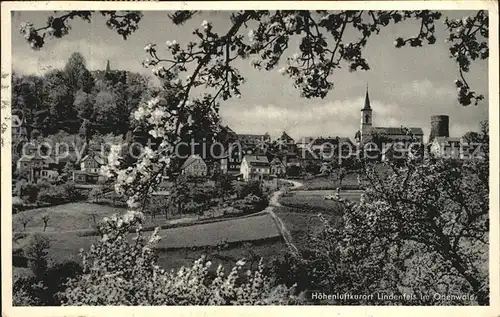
(98,158)
(397,131)
(191,159)
(276,161)
(286,137)
(256,159)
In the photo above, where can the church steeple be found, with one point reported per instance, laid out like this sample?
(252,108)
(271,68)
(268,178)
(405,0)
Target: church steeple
(108,68)
(367,100)
(366,117)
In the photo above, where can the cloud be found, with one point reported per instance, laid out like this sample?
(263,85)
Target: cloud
(338,118)
(426,89)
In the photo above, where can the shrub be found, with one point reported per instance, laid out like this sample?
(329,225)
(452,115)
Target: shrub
(29,192)
(193,207)
(250,203)
(58,194)
(36,254)
(250,188)
(119,272)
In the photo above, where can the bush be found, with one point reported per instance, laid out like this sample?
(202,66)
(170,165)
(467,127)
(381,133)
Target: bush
(250,188)
(251,203)
(44,289)
(36,254)
(29,192)
(119,272)
(50,194)
(193,207)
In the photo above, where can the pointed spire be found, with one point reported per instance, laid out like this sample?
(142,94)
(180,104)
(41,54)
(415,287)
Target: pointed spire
(108,68)
(367,100)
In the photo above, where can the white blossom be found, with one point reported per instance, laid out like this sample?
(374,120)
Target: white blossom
(140,113)
(149,48)
(251,35)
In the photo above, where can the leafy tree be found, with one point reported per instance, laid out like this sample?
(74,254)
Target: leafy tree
(180,193)
(59,103)
(77,74)
(224,186)
(27,99)
(29,192)
(36,253)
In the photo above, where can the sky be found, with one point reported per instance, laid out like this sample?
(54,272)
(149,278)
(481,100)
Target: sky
(407,86)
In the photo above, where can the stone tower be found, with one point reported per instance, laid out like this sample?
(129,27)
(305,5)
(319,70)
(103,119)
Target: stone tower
(440,126)
(366,117)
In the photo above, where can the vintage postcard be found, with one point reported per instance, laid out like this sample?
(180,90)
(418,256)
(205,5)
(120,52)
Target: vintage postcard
(186,158)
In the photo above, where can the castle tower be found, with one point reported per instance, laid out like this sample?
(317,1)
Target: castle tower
(366,117)
(440,126)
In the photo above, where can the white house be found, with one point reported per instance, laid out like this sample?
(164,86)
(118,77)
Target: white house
(255,167)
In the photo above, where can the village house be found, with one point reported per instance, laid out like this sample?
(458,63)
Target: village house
(253,141)
(194,166)
(277,167)
(31,166)
(49,174)
(92,163)
(255,167)
(90,169)
(286,140)
(231,161)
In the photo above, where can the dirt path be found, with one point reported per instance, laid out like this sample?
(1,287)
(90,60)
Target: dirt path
(274,202)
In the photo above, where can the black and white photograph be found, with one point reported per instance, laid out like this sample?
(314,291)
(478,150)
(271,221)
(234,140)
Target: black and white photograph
(306,154)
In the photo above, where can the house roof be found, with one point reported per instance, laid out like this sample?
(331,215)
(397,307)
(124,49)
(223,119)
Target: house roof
(276,161)
(191,159)
(256,159)
(29,158)
(397,131)
(286,137)
(306,140)
(253,138)
(98,158)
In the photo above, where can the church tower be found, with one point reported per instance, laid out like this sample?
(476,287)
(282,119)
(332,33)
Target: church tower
(366,117)
(108,68)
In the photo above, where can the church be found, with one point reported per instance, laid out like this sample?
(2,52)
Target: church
(383,135)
